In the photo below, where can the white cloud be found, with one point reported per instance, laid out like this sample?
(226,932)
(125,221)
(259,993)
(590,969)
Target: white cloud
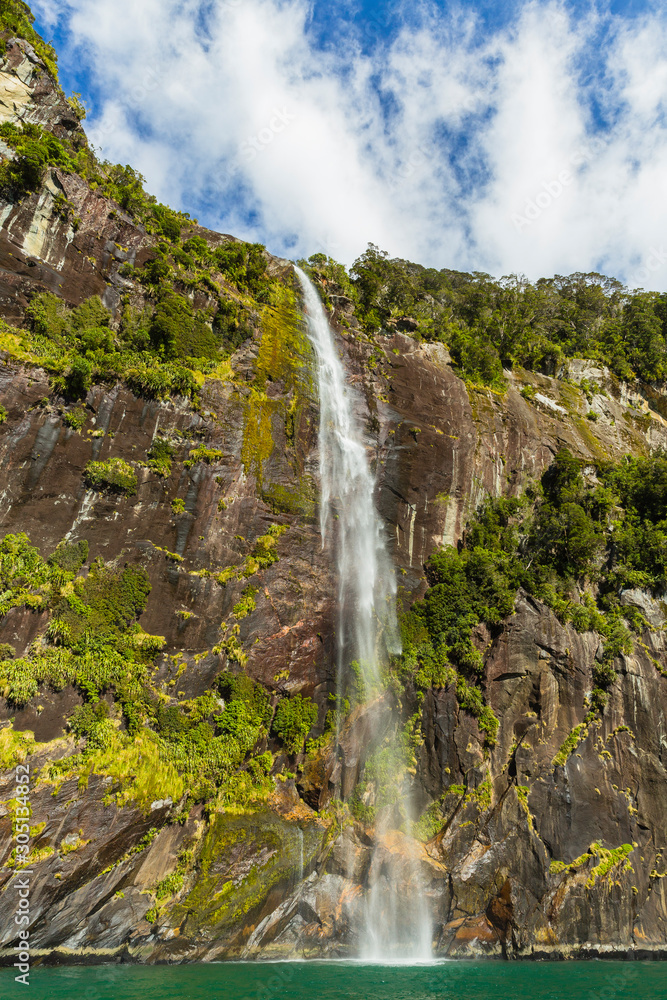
(439,147)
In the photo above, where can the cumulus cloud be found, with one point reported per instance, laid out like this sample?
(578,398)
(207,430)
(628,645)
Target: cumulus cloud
(530,149)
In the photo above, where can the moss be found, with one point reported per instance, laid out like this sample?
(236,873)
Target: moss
(172,884)
(590,440)
(284,350)
(301,500)
(114,475)
(522,793)
(608,861)
(429,823)
(210,456)
(578,734)
(258,441)
(75,419)
(15,747)
(470,698)
(267,850)
(247,603)
(284,356)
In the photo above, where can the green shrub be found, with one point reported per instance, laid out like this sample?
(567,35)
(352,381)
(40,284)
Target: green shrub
(244,264)
(178,332)
(160,457)
(75,419)
(104,605)
(294,719)
(70,556)
(563,534)
(114,475)
(3,415)
(35,149)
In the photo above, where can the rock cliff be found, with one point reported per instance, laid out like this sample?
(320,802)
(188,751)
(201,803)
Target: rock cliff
(549,842)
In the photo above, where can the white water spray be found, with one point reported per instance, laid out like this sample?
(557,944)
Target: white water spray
(397,926)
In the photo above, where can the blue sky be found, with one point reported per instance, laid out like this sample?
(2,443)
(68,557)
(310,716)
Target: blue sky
(509,137)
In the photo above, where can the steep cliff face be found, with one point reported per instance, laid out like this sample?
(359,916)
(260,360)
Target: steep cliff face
(551,841)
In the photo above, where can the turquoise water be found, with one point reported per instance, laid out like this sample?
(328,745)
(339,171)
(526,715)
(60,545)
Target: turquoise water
(349,981)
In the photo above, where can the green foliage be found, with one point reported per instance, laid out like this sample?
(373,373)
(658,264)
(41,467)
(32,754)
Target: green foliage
(294,719)
(210,456)
(114,475)
(231,325)
(100,608)
(160,457)
(246,605)
(239,688)
(79,348)
(17,19)
(34,149)
(381,783)
(608,860)
(95,642)
(90,722)
(574,543)
(70,556)
(75,419)
(244,264)
(569,746)
(265,551)
(3,415)
(178,332)
(491,324)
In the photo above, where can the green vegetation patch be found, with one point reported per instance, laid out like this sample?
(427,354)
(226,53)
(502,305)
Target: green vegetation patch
(575,543)
(294,719)
(160,457)
(489,324)
(610,862)
(114,475)
(17,18)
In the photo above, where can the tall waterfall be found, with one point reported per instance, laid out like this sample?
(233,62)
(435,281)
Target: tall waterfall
(396,922)
(366,580)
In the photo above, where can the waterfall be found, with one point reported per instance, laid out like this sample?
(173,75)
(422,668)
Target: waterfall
(397,925)
(366,580)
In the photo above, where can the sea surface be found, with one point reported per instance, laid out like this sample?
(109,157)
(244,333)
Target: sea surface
(348,981)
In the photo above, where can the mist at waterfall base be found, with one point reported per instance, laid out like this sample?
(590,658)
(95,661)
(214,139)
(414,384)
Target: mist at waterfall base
(397,924)
(349,981)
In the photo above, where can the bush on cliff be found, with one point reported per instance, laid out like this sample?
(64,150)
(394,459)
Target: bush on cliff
(35,149)
(114,475)
(573,542)
(294,719)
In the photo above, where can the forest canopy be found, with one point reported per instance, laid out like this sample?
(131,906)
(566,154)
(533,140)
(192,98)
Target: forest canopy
(491,324)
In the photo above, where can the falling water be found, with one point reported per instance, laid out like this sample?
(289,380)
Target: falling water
(366,581)
(397,924)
